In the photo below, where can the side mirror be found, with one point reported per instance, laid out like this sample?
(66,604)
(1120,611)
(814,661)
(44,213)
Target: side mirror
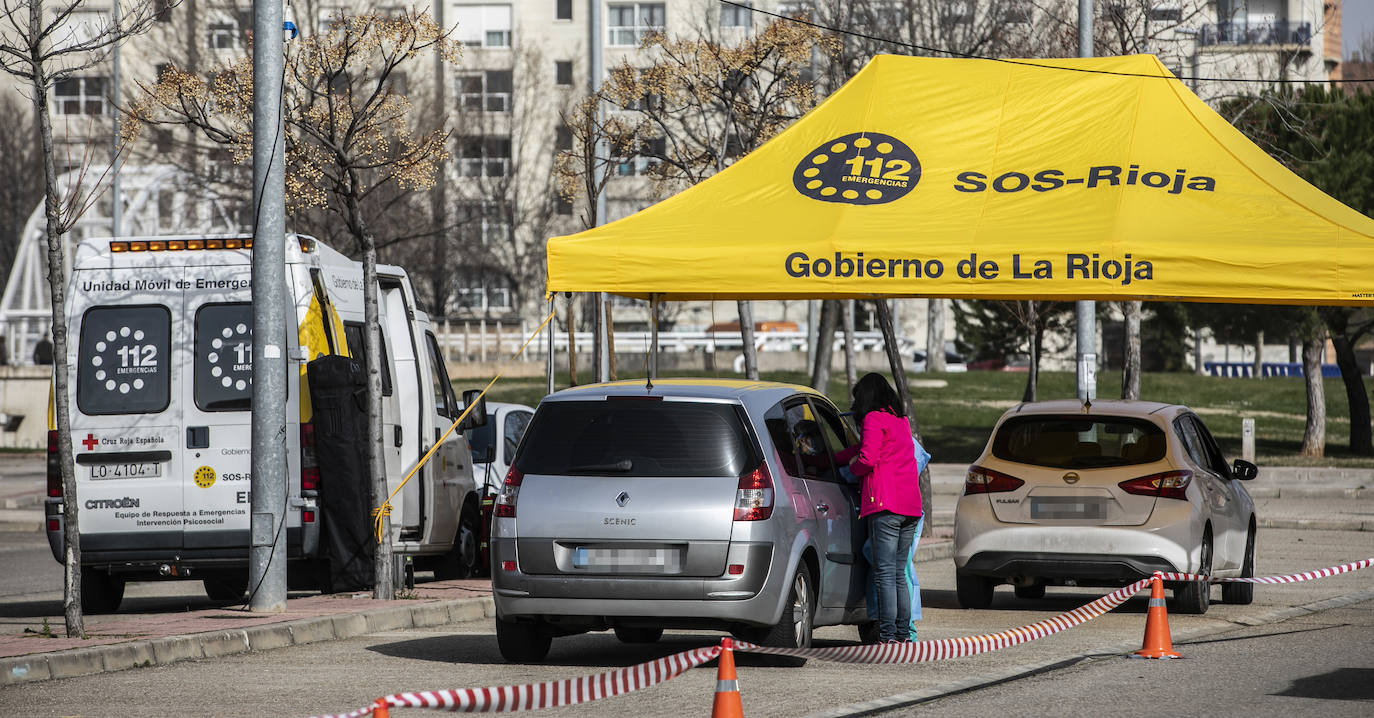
(490,455)
(1242,470)
(478,416)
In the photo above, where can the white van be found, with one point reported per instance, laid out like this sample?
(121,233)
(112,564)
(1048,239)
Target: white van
(160,381)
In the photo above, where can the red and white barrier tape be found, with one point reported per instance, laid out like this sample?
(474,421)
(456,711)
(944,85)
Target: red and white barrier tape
(1291,578)
(550,694)
(553,694)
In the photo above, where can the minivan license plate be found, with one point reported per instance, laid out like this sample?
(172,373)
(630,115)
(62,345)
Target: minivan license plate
(629,559)
(133,470)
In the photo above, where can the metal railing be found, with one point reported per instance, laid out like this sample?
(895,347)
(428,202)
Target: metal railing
(1278,32)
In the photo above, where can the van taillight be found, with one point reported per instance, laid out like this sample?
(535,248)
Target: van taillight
(510,491)
(54,467)
(310,468)
(986,481)
(1168,485)
(754,495)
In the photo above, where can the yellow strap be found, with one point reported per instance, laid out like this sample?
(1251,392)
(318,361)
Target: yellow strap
(384,510)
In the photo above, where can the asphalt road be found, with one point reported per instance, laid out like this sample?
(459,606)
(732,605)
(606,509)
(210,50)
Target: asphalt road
(337,676)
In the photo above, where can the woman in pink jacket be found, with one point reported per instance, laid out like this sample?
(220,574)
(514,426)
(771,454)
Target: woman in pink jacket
(885,460)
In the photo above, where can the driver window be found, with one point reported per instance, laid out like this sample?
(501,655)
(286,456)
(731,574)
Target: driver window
(1188,433)
(1216,459)
(799,439)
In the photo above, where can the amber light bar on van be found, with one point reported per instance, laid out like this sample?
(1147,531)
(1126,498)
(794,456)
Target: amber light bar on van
(173,245)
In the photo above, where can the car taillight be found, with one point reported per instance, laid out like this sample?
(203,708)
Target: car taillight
(54,467)
(310,467)
(1168,485)
(510,491)
(987,481)
(754,497)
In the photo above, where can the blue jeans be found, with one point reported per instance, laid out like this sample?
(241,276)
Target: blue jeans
(892,535)
(913,583)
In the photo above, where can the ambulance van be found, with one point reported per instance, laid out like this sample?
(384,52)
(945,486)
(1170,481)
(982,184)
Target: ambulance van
(160,385)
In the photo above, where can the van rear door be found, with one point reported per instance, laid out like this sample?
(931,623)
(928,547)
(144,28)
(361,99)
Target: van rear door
(403,411)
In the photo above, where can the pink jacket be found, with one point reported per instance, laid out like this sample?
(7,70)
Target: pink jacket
(885,458)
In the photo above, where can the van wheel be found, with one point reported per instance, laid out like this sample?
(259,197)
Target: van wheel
(462,560)
(225,589)
(1193,596)
(522,642)
(972,590)
(636,634)
(1242,594)
(101,591)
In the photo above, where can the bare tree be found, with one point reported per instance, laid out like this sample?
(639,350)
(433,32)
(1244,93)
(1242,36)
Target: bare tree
(43,44)
(1314,429)
(1130,367)
(349,135)
(20,160)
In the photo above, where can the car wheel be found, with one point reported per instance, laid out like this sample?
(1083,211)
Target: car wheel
(461,561)
(225,589)
(1193,597)
(522,642)
(793,629)
(101,591)
(1032,592)
(973,591)
(636,634)
(1242,594)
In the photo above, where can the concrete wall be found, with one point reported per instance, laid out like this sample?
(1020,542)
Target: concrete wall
(24,392)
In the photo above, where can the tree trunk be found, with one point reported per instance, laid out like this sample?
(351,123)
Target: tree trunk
(610,337)
(894,361)
(1258,369)
(1130,368)
(851,366)
(1360,440)
(1198,367)
(1032,371)
(1314,433)
(746,335)
(572,343)
(935,334)
(825,346)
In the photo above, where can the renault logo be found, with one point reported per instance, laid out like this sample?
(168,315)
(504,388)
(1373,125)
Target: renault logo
(1071,478)
(622,499)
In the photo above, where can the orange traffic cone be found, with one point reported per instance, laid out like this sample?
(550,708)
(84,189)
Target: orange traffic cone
(381,709)
(727,704)
(1157,643)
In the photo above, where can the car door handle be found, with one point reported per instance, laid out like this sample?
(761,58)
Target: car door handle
(398,441)
(823,507)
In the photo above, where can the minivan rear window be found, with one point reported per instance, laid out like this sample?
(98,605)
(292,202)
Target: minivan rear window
(624,437)
(224,357)
(1079,442)
(122,360)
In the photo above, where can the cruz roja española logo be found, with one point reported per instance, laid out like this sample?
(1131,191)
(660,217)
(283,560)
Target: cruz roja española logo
(858,168)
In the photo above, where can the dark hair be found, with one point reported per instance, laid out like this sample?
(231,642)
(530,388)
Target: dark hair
(873,393)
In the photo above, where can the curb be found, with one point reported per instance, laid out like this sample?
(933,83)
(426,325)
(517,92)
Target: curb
(906,700)
(172,649)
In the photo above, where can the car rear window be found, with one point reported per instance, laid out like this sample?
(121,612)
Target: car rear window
(1079,442)
(637,438)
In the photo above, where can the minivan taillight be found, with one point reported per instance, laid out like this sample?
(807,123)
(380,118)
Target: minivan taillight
(754,497)
(986,481)
(310,467)
(54,467)
(510,491)
(1167,485)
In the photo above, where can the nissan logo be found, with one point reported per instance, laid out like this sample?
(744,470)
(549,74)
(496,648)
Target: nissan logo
(1071,478)
(622,499)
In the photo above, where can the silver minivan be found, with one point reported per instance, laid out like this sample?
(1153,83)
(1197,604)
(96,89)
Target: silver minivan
(710,504)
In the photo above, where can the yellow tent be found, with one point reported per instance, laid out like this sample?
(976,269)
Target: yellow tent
(987,179)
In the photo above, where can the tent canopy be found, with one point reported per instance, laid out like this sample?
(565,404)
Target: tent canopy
(1100,178)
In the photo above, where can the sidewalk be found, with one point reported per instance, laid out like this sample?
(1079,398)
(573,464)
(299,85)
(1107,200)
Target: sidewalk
(1284,498)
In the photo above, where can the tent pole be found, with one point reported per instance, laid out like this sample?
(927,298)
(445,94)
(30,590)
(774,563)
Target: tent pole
(894,361)
(548,363)
(653,336)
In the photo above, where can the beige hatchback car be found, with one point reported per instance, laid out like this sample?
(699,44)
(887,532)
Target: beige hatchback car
(1068,493)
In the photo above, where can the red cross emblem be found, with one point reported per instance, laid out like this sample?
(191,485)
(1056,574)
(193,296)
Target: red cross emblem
(90,442)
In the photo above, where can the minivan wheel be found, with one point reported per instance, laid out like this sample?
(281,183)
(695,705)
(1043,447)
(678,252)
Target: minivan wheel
(101,591)
(1194,596)
(522,642)
(972,590)
(1032,592)
(793,629)
(637,634)
(462,560)
(225,589)
(1242,594)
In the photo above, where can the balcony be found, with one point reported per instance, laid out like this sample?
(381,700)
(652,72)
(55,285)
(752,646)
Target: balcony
(1279,32)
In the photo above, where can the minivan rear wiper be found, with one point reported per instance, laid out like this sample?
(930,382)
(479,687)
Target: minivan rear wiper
(621,466)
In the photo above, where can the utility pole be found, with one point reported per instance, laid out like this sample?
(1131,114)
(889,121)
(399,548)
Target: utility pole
(595,70)
(116,208)
(1086,309)
(267,566)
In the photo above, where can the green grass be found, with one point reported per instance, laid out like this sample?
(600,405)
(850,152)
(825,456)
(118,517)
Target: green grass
(955,418)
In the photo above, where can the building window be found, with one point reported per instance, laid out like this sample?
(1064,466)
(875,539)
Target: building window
(484,25)
(628,23)
(562,206)
(483,156)
(800,9)
(483,223)
(562,72)
(736,16)
(80,96)
(162,140)
(958,12)
(1018,13)
(222,35)
(1166,13)
(164,9)
(488,91)
(562,10)
(563,138)
(330,17)
(646,160)
(484,289)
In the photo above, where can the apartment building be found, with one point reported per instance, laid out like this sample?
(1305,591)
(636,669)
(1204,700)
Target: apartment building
(526,64)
